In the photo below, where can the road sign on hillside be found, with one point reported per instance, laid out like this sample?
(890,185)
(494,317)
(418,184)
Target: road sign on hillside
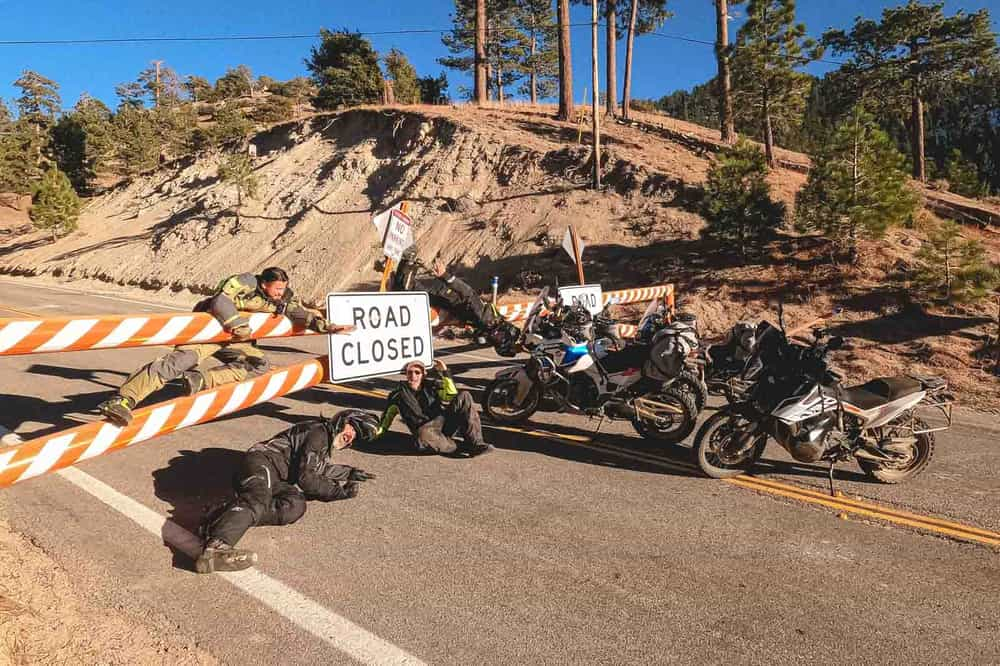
(396,229)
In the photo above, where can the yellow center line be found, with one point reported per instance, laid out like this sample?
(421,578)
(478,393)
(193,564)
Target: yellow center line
(20,312)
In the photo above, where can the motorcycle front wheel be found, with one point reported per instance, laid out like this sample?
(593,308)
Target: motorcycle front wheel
(666,416)
(725,446)
(498,402)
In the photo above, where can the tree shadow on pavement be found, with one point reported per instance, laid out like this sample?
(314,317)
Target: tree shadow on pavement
(84,374)
(16,410)
(193,482)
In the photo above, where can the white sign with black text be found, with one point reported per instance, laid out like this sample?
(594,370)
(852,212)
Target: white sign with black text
(391,329)
(588,295)
(396,229)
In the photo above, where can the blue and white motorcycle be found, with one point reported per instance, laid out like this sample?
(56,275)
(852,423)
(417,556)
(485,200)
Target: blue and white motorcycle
(578,374)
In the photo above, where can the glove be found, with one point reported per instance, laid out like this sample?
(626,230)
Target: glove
(351,489)
(241,333)
(360,475)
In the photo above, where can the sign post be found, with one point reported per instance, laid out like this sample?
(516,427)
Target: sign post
(391,329)
(573,245)
(396,229)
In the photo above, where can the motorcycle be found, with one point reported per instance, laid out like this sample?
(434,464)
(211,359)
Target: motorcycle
(797,400)
(588,378)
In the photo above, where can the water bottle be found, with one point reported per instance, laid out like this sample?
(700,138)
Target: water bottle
(494,285)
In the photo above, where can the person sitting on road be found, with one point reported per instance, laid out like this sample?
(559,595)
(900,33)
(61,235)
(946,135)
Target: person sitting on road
(8,438)
(277,477)
(435,410)
(267,292)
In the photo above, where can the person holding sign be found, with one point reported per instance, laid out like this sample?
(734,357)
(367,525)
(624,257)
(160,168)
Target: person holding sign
(277,477)
(267,292)
(435,410)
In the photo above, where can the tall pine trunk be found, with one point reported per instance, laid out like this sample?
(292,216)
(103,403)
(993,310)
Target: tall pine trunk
(565,64)
(533,77)
(917,121)
(768,133)
(611,89)
(480,63)
(726,125)
(630,43)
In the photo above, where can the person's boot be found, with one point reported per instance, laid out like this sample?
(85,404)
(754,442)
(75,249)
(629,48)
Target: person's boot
(220,556)
(194,381)
(118,410)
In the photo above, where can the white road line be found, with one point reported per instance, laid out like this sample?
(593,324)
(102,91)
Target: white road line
(324,624)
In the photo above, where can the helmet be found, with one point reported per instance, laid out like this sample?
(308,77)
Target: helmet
(503,335)
(365,424)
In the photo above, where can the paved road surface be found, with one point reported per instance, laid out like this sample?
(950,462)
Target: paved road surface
(548,551)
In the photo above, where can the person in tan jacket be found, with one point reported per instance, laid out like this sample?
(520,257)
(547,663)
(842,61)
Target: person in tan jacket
(241,358)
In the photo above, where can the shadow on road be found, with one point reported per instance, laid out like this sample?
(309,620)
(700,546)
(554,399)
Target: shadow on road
(193,482)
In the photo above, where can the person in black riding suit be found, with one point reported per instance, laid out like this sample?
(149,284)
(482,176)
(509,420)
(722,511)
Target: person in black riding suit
(277,477)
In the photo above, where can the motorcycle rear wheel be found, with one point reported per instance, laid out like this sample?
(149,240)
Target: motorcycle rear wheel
(673,427)
(497,402)
(692,384)
(922,450)
(721,448)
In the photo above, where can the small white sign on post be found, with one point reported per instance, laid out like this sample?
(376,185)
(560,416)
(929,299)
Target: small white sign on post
(391,329)
(396,229)
(589,296)
(567,245)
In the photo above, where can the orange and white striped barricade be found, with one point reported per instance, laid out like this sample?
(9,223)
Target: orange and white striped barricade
(65,448)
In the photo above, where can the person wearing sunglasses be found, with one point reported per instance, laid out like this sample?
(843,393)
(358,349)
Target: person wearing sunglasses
(435,411)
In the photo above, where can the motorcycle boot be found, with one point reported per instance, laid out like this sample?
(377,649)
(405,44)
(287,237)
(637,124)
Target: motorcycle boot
(194,381)
(220,556)
(118,410)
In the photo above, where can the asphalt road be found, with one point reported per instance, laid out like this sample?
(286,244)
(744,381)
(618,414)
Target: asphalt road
(550,550)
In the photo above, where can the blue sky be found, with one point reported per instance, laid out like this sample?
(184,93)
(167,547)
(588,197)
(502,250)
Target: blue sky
(662,65)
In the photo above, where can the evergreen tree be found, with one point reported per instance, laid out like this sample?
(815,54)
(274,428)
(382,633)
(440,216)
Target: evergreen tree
(406,89)
(81,141)
(769,48)
(912,50)
(235,83)
(737,202)
(506,46)
(238,171)
(345,69)
(39,103)
(540,64)
(433,90)
(565,61)
(136,141)
(963,178)
(953,268)
(199,89)
(23,158)
(54,204)
(161,88)
(231,125)
(131,94)
(276,109)
(857,185)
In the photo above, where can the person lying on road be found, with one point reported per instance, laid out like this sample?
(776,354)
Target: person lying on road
(277,477)
(241,358)
(435,410)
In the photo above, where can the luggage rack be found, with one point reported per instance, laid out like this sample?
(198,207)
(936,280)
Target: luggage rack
(937,400)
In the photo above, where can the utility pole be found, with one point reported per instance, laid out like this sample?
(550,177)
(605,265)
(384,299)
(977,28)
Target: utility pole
(726,126)
(156,89)
(480,64)
(595,101)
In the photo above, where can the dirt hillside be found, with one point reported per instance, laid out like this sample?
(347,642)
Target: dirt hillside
(493,191)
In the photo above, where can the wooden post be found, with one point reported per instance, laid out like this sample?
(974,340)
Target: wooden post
(595,122)
(387,271)
(577,254)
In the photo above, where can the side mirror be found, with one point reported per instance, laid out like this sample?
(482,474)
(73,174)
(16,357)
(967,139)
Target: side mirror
(836,342)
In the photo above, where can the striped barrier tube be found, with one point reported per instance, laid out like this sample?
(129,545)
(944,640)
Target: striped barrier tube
(68,447)
(64,334)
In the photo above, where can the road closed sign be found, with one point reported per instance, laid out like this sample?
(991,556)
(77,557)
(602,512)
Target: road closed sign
(589,296)
(391,329)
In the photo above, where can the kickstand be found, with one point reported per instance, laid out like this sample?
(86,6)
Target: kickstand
(832,494)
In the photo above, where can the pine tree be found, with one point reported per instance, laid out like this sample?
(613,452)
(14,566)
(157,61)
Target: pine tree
(738,204)
(39,103)
(769,48)
(723,79)
(953,268)
(137,145)
(235,83)
(238,171)
(644,16)
(230,125)
(857,186)
(963,177)
(433,90)
(199,89)
(912,50)
(345,70)
(565,62)
(81,141)
(131,94)
(540,64)
(506,46)
(404,77)
(162,86)
(54,204)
